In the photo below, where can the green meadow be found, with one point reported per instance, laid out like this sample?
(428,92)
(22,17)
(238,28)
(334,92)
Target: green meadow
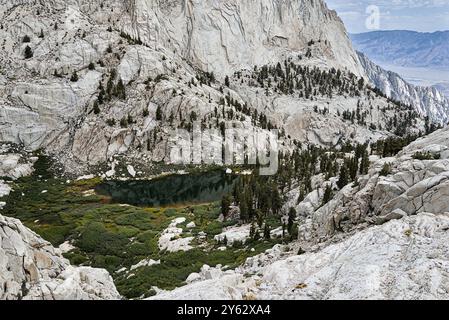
(117,236)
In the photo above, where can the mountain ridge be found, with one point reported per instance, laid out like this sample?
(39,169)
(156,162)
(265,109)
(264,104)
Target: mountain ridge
(405,48)
(429,101)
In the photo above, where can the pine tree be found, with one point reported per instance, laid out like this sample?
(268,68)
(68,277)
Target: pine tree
(327,194)
(130,119)
(120,91)
(110,88)
(74,77)
(364,166)
(353,168)
(252,231)
(41,35)
(267,232)
(343,180)
(124,123)
(227,82)
(28,53)
(158,114)
(244,215)
(101,95)
(96,108)
(302,195)
(226,202)
(292,214)
(26,39)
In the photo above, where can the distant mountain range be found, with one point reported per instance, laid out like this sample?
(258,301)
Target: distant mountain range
(405,48)
(430,101)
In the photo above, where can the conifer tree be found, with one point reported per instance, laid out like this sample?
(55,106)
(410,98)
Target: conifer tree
(267,232)
(227,82)
(120,91)
(226,202)
(327,194)
(158,114)
(74,77)
(28,53)
(364,166)
(291,219)
(343,180)
(96,108)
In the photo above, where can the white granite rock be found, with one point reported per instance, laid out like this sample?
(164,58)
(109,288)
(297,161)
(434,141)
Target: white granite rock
(145,263)
(394,261)
(31,269)
(171,239)
(234,234)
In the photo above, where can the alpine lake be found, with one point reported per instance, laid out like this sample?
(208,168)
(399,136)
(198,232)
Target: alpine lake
(116,224)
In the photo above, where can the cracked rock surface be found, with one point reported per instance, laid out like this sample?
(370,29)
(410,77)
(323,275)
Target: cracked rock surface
(402,259)
(31,269)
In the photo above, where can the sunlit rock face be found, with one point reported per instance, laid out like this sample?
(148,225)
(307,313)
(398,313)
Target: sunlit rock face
(225,36)
(41,107)
(31,269)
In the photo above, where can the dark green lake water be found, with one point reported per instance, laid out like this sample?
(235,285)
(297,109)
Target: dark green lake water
(171,190)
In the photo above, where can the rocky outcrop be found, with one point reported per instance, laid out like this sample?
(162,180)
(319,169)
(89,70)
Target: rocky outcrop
(415,181)
(428,101)
(402,259)
(236,234)
(171,239)
(15,166)
(31,269)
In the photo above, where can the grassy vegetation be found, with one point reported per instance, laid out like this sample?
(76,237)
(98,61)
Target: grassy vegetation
(426,156)
(114,236)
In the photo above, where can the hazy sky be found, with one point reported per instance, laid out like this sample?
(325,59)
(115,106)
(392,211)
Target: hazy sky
(418,15)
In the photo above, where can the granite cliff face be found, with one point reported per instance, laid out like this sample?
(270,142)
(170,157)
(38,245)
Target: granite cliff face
(227,36)
(156,48)
(62,62)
